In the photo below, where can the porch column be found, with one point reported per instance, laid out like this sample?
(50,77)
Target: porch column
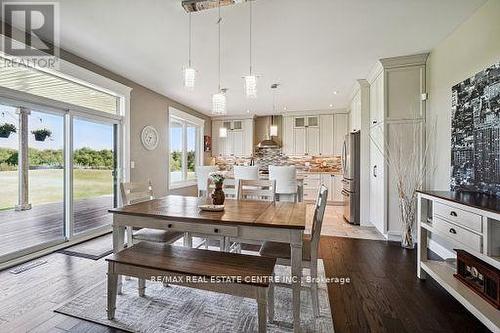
(22,160)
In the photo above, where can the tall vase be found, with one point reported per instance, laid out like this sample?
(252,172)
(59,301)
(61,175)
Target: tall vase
(218,195)
(407,207)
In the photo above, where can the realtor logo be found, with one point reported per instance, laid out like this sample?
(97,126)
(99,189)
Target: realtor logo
(31,32)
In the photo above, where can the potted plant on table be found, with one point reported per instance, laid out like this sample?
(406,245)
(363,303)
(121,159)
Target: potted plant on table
(42,134)
(218,180)
(6,129)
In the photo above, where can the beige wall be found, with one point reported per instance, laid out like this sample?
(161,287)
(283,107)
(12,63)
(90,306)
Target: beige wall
(146,108)
(474,46)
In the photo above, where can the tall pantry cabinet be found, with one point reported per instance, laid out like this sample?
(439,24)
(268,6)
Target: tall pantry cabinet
(397,107)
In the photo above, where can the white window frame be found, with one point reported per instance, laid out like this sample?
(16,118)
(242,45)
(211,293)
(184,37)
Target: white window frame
(185,118)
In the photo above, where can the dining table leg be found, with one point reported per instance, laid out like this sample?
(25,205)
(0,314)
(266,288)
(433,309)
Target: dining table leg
(296,263)
(118,245)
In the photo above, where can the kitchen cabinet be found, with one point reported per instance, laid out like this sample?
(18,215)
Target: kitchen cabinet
(239,139)
(313,181)
(340,129)
(397,105)
(314,135)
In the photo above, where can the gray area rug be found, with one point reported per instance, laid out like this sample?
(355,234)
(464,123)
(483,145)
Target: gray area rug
(185,310)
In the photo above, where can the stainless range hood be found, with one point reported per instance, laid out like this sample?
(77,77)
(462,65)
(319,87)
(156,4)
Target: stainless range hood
(262,131)
(198,5)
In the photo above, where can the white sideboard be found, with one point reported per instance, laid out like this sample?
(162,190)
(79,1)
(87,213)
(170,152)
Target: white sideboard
(451,220)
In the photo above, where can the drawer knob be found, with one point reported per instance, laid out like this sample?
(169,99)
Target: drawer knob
(170,225)
(216,230)
(452,213)
(453,231)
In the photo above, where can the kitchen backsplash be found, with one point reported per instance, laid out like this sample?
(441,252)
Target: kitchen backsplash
(274,156)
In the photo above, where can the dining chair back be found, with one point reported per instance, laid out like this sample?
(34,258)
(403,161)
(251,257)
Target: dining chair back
(246,172)
(132,193)
(286,179)
(230,188)
(317,223)
(202,175)
(262,189)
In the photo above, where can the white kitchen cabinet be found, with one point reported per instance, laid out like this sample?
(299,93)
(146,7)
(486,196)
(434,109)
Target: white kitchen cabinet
(288,144)
(239,139)
(312,140)
(334,185)
(299,141)
(340,129)
(396,107)
(326,140)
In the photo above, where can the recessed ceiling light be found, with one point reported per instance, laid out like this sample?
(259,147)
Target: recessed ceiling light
(284,108)
(335,92)
(248,111)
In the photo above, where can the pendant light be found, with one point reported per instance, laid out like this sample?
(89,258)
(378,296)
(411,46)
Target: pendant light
(219,99)
(189,72)
(273,129)
(250,79)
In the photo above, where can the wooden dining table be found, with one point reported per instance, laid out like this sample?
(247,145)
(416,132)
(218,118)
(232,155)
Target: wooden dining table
(252,220)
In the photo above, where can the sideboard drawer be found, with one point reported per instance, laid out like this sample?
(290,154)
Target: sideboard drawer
(459,216)
(459,234)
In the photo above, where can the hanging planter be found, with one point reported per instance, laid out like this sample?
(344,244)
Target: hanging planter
(42,134)
(6,129)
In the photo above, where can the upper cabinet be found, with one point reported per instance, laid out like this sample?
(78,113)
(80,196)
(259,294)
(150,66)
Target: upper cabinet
(314,134)
(238,140)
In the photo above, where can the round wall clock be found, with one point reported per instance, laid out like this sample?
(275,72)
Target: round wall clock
(150,137)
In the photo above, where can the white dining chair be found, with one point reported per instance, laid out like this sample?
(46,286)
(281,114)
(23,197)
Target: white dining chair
(286,180)
(258,190)
(202,175)
(246,172)
(310,249)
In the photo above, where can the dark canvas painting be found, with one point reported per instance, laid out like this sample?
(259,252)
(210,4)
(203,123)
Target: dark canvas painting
(475,133)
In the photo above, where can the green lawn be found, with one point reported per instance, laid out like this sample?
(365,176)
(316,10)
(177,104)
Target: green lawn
(47,185)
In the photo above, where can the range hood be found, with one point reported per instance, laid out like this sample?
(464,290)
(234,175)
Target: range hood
(198,5)
(266,140)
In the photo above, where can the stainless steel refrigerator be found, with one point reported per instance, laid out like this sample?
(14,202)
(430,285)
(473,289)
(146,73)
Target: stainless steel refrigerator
(350,182)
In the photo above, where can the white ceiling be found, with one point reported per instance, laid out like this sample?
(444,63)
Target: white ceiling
(311,47)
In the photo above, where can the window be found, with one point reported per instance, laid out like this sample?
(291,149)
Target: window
(185,135)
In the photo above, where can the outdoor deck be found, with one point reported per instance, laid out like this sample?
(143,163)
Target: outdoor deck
(45,223)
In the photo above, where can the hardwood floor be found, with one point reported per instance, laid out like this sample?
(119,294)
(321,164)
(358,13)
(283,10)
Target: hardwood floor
(384,294)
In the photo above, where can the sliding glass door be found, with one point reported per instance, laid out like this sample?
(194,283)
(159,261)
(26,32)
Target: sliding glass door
(94,174)
(58,177)
(32,180)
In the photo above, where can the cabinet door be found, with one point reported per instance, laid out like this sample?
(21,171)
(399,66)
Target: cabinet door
(248,137)
(299,141)
(216,125)
(377,100)
(377,181)
(288,139)
(325,134)
(312,140)
(312,121)
(237,142)
(340,129)
(300,122)
(237,125)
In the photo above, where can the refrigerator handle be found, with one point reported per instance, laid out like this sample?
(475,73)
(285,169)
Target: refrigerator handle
(343,157)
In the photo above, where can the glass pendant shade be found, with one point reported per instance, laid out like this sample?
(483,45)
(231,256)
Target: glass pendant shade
(189,77)
(219,103)
(251,86)
(222,132)
(273,130)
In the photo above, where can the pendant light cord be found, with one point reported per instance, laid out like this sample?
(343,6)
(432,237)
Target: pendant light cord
(218,23)
(250,39)
(189,49)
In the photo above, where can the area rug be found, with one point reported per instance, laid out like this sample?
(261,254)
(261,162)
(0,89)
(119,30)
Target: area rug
(94,249)
(185,310)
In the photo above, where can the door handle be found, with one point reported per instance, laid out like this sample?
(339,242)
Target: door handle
(453,231)
(452,213)
(374,171)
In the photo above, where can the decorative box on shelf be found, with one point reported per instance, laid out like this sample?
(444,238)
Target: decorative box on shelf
(481,277)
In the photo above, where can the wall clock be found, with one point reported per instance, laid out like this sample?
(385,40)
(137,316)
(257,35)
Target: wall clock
(150,137)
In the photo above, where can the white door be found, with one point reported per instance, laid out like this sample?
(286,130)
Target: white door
(377,188)
(237,142)
(312,140)
(325,134)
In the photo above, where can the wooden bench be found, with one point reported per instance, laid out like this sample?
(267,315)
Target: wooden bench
(249,274)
